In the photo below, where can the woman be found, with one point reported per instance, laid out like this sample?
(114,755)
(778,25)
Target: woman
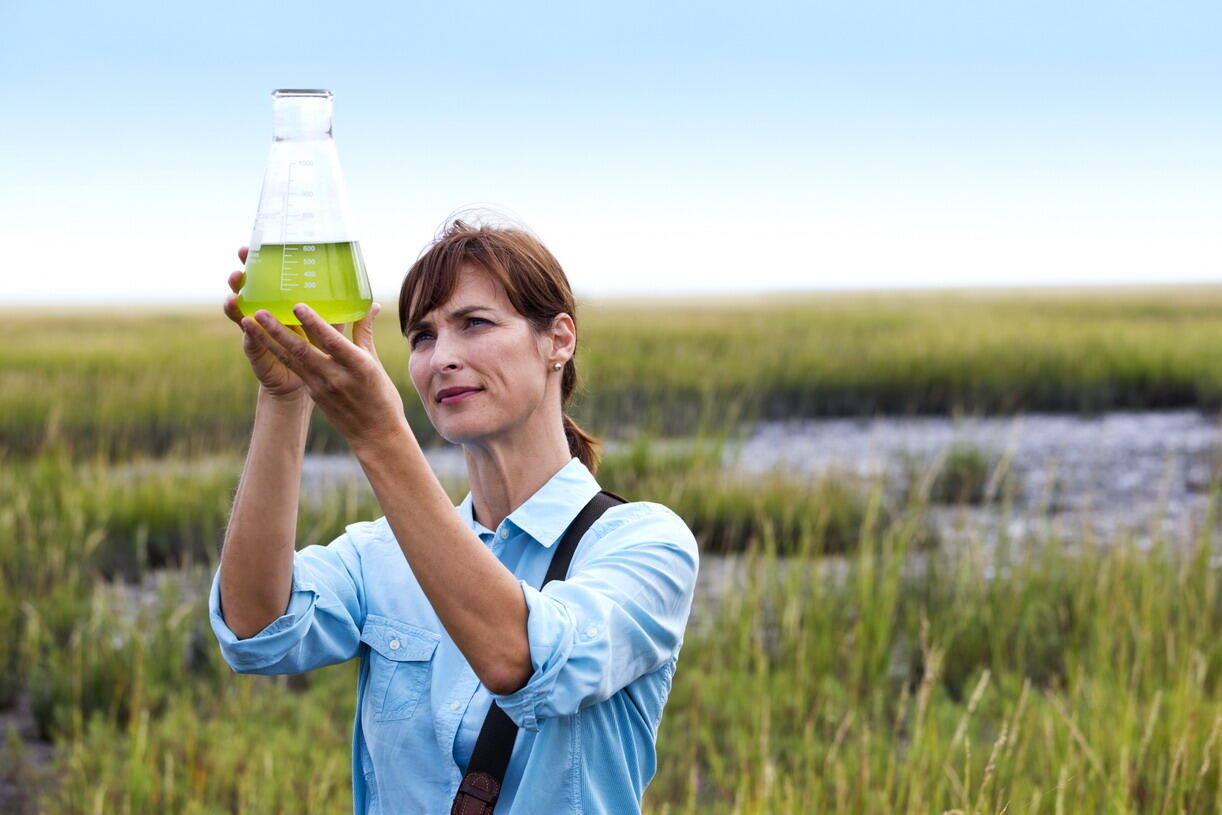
(441,603)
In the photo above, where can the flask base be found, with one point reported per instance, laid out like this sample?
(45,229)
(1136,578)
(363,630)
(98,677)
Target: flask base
(333,311)
(328,277)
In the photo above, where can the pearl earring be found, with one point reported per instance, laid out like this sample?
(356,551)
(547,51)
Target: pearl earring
(558,366)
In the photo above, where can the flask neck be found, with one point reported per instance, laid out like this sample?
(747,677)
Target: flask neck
(301,115)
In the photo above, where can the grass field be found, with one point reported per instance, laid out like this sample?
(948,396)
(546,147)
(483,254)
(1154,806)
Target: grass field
(858,665)
(152,379)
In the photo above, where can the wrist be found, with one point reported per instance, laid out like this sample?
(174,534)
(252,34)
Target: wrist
(299,400)
(390,439)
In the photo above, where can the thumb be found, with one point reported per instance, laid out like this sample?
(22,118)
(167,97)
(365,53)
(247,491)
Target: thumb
(363,330)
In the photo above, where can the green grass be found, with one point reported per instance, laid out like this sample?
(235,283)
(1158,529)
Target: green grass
(862,665)
(176,379)
(1078,678)
(127,518)
(960,476)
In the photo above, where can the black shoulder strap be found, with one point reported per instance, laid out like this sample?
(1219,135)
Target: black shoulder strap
(482,783)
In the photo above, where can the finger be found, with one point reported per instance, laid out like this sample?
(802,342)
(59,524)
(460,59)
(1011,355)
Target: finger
(302,358)
(231,308)
(362,330)
(259,338)
(325,336)
(242,252)
(236,278)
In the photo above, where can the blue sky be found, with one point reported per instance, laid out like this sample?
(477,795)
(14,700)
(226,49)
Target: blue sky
(654,147)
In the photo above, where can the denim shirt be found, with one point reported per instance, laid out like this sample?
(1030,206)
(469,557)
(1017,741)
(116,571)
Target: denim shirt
(604,644)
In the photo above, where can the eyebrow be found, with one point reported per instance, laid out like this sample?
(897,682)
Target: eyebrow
(454,315)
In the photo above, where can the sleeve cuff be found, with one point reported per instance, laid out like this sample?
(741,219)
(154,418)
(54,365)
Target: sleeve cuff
(274,641)
(550,630)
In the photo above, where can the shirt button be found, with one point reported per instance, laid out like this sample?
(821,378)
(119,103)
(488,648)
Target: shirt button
(591,631)
(504,533)
(394,645)
(455,705)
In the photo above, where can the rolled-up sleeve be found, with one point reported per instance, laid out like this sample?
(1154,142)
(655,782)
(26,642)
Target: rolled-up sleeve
(620,615)
(321,625)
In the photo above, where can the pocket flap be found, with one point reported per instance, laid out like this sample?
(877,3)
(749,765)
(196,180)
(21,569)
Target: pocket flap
(399,641)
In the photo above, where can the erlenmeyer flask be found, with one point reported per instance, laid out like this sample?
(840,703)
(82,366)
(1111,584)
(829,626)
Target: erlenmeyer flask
(302,249)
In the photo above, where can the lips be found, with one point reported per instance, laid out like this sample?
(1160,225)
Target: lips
(445,395)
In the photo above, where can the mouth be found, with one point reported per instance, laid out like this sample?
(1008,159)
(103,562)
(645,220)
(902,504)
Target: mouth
(450,396)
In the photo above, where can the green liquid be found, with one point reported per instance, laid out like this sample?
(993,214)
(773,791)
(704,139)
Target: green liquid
(328,277)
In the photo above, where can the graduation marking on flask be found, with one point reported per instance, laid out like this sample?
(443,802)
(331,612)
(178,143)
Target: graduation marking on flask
(288,212)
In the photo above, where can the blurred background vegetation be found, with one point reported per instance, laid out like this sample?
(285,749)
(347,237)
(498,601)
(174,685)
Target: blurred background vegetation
(853,661)
(152,380)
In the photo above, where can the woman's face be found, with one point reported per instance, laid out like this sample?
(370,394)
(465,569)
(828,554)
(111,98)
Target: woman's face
(478,340)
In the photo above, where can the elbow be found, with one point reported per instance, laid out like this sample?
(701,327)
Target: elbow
(511,668)
(509,681)
(244,633)
(247,620)
(245,628)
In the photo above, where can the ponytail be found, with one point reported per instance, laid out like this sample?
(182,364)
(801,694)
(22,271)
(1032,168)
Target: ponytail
(582,444)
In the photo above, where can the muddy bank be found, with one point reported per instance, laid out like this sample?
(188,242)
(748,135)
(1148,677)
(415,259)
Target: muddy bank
(1140,474)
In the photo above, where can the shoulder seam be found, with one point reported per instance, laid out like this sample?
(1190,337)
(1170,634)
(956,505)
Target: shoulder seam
(639,509)
(622,514)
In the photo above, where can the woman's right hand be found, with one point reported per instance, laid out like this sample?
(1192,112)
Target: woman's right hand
(276,379)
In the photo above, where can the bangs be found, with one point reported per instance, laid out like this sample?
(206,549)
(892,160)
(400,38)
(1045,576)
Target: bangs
(433,278)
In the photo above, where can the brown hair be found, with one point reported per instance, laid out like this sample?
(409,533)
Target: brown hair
(531,277)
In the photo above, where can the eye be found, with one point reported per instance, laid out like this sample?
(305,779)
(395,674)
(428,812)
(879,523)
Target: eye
(416,337)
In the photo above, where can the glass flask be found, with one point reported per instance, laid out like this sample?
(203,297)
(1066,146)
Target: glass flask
(303,249)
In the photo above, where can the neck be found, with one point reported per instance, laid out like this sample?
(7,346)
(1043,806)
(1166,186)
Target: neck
(505,471)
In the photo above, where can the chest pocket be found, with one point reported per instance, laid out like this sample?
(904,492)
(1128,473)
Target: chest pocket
(400,664)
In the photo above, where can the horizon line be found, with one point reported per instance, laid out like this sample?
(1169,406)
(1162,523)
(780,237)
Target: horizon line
(676,294)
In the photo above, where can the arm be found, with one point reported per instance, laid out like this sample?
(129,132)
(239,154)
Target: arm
(621,615)
(323,621)
(476,598)
(257,555)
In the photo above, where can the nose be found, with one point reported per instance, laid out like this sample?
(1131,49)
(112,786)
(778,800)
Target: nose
(445,354)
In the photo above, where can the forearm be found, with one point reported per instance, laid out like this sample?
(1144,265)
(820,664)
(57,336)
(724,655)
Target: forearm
(257,555)
(476,598)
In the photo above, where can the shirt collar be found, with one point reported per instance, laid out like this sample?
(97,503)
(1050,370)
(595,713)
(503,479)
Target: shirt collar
(546,514)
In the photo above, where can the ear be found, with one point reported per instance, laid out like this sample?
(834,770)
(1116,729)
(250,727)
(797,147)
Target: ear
(562,337)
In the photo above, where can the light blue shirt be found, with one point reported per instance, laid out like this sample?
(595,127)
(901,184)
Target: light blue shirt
(604,644)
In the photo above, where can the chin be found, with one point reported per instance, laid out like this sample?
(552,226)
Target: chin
(459,430)
(470,430)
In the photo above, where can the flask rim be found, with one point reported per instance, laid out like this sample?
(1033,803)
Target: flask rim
(315,93)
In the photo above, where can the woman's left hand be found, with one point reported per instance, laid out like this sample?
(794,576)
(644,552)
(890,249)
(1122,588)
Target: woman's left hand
(344,377)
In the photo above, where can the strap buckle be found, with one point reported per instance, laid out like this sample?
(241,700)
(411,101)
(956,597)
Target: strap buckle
(478,785)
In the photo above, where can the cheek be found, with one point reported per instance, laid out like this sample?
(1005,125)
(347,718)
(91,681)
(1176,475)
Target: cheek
(417,372)
(497,359)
